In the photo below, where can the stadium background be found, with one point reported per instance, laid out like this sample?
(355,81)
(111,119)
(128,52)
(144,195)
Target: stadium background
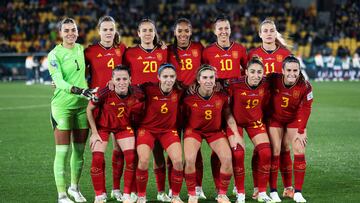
(29,28)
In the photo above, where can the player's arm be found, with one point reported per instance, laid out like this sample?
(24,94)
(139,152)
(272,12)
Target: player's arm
(95,137)
(304,110)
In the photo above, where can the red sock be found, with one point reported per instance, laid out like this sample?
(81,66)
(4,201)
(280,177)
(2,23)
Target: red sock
(169,169)
(299,170)
(97,172)
(176,180)
(274,172)
(129,170)
(190,180)
(117,168)
(286,168)
(254,165)
(160,175)
(142,177)
(215,168)
(133,185)
(224,183)
(264,164)
(239,169)
(199,165)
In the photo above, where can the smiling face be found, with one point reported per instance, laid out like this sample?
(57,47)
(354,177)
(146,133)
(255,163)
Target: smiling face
(206,80)
(291,73)
(254,74)
(121,80)
(69,33)
(222,30)
(267,33)
(183,33)
(107,32)
(167,79)
(146,32)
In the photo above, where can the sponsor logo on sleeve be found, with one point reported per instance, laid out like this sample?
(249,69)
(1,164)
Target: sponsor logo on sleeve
(309,96)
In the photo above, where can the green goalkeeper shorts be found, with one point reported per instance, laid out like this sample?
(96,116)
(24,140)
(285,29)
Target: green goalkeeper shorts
(68,119)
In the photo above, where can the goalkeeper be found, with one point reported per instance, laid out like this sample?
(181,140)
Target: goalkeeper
(68,108)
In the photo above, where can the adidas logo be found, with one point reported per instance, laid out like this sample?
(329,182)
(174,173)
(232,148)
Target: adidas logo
(139,58)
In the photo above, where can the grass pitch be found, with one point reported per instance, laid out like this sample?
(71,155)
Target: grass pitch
(27,148)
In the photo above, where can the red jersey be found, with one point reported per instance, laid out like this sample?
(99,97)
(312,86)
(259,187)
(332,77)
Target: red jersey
(229,63)
(290,103)
(272,61)
(247,103)
(190,60)
(102,61)
(115,112)
(205,115)
(161,109)
(144,64)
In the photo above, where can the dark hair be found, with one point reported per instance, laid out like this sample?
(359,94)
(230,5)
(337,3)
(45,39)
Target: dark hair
(221,17)
(255,60)
(165,66)
(292,59)
(120,68)
(204,67)
(156,41)
(117,37)
(65,20)
(175,50)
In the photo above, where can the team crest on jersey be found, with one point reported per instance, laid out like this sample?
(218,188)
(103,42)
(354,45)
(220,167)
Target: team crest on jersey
(174,98)
(141,132)
(118,52)
(218,104)
(99,55)
(235,54)
(195,53)
(130,102)
(159,56)
(156,98)
(53,64)
(296,94)
(261,92)
(112,104)
(279,58)
(243,94)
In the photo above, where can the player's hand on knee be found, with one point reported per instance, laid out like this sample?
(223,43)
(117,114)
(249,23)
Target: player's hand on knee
(94,138)
(301,139)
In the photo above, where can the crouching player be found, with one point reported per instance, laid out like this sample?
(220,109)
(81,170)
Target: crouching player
(115,111)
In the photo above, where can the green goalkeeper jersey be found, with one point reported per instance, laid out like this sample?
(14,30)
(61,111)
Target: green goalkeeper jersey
(67,69)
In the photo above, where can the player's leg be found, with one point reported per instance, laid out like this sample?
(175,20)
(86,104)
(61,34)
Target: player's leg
(117,169)
(276,135)
(192,143)
(299,163)
(199,165)
(221,147)
(286,167)
(126,141)
(97,171)
(160,172)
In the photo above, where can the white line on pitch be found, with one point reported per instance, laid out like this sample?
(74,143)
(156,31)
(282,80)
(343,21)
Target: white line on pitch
(24,107)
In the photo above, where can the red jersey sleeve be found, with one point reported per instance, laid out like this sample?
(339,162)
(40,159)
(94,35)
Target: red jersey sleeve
(304,110)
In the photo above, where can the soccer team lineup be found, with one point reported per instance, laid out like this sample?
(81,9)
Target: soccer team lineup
(156,97)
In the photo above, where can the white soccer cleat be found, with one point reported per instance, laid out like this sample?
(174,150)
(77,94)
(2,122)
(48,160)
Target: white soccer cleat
(64,199)
(275,196)
(76,194)
(255,193)
(240,198)
(170,194)
(199,192)
(193,199)
(100,198)
(234,191)
(141,200)
(298,198)
(126,198)
(176,199)
(134,197)
(163,197)
(263,197)
(116,194)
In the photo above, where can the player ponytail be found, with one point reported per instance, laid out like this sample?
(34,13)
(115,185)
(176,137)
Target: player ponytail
(279,40)
(156,41)
(117,37)
(174,48)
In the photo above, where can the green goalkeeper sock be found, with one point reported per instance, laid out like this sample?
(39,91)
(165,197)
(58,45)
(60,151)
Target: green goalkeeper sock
(76,162)
(59,167)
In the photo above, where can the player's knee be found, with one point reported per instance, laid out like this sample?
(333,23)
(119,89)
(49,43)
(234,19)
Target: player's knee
(178,164)
(226,162)
(190,163)
(143,163)
(264,152)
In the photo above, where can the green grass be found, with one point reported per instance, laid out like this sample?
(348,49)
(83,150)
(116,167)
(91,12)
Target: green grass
(27,148)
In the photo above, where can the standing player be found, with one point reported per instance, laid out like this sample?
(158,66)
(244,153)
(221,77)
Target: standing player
(144,61)
(248,96)
(291,103)
(115,109)
(272,52)
(68,108)
(101,58)
(204,112)
(160,123)
(185,55)
(229,59)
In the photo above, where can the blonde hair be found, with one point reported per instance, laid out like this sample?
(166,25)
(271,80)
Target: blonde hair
(280,40)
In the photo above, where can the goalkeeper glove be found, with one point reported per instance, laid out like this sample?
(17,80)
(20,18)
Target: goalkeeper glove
(89,94)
